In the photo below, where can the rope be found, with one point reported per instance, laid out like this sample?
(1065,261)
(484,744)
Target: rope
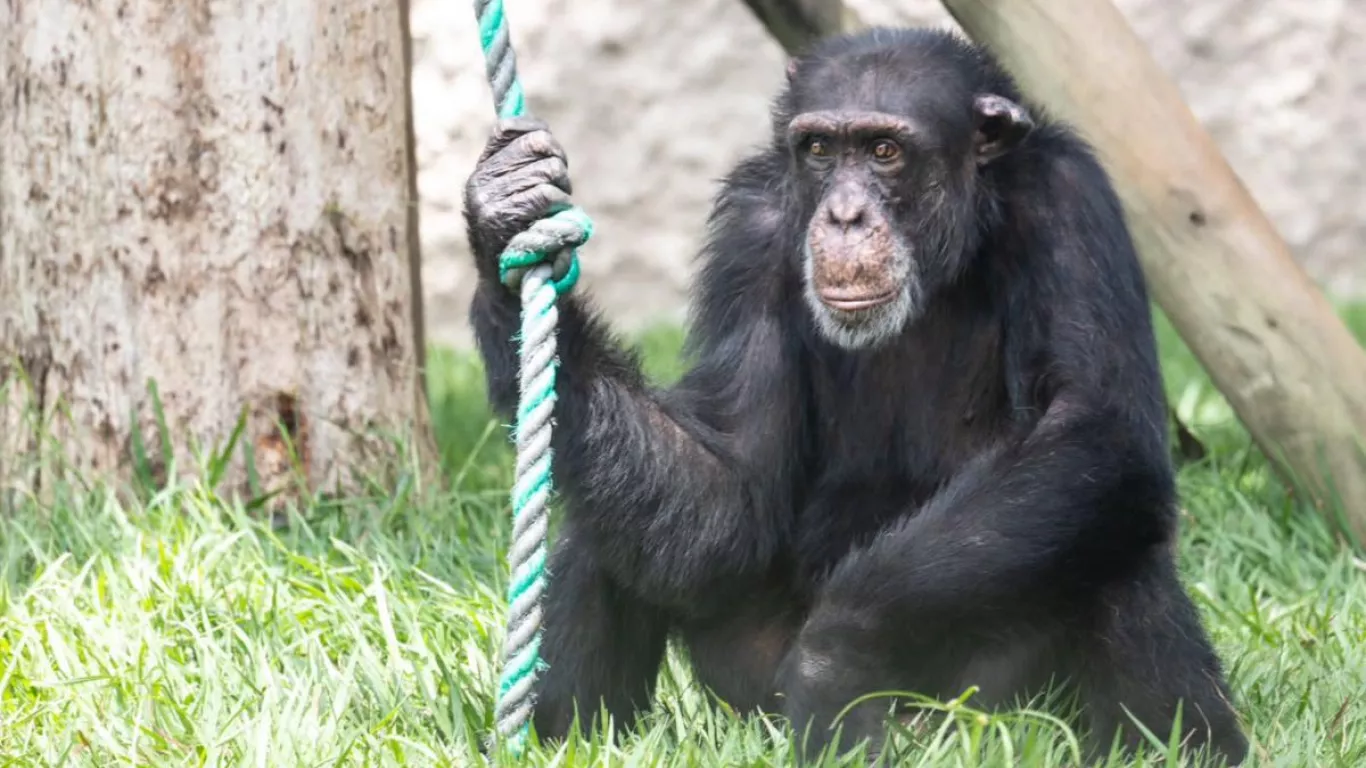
(542,262)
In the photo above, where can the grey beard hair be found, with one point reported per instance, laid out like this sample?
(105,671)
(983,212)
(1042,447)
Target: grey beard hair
(865,328)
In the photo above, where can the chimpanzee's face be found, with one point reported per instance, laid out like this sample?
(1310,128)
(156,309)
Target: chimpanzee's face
(888,164)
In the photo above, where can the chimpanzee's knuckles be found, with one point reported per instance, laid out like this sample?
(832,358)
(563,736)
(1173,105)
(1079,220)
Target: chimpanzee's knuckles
(550,170)
(530,159)
(527,149)
(507,130)
(491,192)
(544,144)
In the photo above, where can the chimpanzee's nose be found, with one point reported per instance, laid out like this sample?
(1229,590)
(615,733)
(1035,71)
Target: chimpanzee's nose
(845,208)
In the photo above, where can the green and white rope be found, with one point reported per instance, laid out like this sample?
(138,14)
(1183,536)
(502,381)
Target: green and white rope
(543,263)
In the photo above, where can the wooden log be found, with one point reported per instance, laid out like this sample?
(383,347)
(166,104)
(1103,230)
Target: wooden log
(1271,341)
(796,24)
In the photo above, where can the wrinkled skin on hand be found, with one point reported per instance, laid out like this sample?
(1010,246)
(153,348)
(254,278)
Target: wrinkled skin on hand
(521,176)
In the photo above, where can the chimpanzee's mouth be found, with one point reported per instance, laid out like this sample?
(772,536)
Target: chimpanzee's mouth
(853,301)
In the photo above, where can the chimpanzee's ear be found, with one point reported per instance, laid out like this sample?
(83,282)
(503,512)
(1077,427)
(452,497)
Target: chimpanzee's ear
(999,126)
(792,65)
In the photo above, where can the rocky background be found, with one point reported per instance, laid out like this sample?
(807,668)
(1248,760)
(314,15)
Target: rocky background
(654,99)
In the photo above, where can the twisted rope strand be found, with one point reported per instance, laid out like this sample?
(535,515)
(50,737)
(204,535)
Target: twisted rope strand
(543,263)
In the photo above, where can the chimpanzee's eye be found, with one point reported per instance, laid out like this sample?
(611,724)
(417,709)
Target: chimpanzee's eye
(817,148)
(886,150)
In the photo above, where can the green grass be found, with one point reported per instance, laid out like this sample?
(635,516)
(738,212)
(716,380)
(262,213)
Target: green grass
(183,631)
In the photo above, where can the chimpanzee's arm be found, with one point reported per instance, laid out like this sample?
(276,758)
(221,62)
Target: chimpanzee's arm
(1087,489)
(686,488)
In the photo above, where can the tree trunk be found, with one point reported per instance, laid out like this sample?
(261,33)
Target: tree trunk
(1270,340)
(214,197)
(414,223)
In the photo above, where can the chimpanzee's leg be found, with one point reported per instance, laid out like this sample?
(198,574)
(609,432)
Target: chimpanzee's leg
(1147,653)
(603,645)
(850,648)
(882,623)
(1135,644)
(736,653)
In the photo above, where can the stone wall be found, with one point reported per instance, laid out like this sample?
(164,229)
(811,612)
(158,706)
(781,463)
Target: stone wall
(654,99)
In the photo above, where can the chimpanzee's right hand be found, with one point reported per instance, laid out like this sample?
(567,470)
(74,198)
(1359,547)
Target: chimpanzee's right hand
(520,177)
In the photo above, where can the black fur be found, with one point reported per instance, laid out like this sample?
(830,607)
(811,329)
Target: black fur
(985,500)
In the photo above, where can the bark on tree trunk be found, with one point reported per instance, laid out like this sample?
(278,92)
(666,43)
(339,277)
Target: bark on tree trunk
(216,197)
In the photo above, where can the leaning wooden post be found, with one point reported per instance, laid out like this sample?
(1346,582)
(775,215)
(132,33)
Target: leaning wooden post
(795,24)
(1270,340)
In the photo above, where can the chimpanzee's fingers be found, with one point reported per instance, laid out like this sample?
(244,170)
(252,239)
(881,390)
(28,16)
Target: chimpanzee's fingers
(515,130)
(514,170)
(524,150)
(547,170)
(525,207)
(509,129)
(544,143)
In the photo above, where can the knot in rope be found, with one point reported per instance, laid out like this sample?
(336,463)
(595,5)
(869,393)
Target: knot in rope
(554,240)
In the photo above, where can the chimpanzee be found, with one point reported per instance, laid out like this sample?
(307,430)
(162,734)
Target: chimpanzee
(922,444)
